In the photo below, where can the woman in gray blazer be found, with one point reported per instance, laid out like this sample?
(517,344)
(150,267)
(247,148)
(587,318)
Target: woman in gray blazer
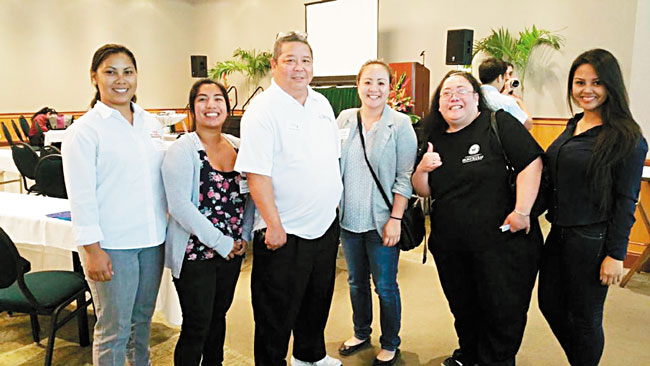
(369,230)
(210,222)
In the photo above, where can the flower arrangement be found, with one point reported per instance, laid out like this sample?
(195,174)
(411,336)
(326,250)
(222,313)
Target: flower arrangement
(398,100)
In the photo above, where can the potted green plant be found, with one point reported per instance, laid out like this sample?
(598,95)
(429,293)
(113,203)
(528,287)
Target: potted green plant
(252,64)
(501,44)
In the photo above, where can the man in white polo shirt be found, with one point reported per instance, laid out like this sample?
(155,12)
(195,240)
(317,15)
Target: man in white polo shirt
(289,152)
(492,73)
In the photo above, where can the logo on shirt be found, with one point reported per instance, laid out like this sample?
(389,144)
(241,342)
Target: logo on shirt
(473,154)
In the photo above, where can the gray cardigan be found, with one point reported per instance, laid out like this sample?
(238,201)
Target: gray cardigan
(181,170)
(392,158)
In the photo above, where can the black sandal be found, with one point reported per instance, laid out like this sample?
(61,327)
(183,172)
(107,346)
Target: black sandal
(390,362)
(346,350)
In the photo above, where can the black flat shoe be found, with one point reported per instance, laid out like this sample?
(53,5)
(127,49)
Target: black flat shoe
(345,350)
(390,362)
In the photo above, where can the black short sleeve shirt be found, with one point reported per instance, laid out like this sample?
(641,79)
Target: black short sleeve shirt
(470,190)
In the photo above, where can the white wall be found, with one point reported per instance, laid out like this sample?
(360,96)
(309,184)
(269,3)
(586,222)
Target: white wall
(48,45)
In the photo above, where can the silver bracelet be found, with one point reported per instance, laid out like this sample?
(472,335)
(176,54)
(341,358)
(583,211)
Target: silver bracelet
(521,213)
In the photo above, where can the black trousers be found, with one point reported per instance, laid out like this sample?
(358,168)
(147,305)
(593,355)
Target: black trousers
(489,294)
(205,290)
(291,290)
(571,296)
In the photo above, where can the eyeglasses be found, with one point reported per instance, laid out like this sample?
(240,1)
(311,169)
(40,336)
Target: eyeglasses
(298,34)
(447,94)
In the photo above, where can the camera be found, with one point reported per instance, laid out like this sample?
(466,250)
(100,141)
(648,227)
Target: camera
(513,83)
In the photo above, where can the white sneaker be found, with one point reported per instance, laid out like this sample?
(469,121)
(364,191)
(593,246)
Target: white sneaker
(326,361)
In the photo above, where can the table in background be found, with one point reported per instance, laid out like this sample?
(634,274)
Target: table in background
(47,242)
(7,166)
(53,136)
(645,255)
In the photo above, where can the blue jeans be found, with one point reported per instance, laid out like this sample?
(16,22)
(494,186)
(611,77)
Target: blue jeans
(366,255)
(124,306)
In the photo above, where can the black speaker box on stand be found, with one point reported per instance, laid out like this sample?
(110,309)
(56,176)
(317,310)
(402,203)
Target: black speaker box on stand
(199,66)
(459,46)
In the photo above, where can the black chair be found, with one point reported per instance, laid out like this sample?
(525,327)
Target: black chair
(17,131)
(25,158)
(5,132)
(24,125)
(41,293)
(49,150)
(38,139)
(49,176)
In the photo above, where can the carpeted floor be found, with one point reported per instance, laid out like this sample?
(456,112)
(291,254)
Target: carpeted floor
(427,327)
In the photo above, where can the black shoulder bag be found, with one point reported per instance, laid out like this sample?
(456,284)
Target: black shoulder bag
(540,202)
(412,225)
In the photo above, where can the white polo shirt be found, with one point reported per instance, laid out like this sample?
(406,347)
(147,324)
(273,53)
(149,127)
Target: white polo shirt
(299,148)
(112,175)
(496,101)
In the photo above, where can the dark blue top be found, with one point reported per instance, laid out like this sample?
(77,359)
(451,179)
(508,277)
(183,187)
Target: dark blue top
(574,204)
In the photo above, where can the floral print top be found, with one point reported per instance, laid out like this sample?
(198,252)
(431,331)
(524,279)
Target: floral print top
(220,202)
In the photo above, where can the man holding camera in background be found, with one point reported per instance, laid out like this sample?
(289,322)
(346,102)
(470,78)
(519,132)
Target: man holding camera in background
(493,73)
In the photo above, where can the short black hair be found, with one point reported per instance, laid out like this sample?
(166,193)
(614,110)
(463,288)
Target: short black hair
(490,69)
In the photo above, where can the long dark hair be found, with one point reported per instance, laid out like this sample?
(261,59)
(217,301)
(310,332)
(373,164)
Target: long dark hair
(44,110)
(620,133)
(434,122)
(195,90)
(100,55)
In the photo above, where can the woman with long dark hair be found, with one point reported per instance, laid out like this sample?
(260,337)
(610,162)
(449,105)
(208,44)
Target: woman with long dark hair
(111,160)
(208,227)
(40,124)
(595,167)
(484,241)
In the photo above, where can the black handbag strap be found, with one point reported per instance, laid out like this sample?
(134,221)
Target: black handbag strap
(494,126)
(365,155)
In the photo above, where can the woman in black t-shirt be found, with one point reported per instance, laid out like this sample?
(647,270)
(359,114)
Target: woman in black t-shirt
(484,242)
(595,168)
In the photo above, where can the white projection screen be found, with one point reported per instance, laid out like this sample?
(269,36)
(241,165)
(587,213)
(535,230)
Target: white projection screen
(342,34)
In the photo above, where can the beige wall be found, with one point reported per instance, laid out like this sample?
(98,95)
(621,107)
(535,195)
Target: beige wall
(585,24)
(163,33)
(46,47)
(640,77)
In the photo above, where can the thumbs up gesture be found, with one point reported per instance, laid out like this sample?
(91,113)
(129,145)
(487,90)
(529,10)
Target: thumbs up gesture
(430,160)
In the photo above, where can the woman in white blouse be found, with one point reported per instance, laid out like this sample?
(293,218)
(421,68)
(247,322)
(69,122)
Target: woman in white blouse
(111,160)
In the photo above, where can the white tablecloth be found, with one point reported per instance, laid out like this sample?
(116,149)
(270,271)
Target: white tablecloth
(170,119)
(52,136)
(7,162)
(46,242)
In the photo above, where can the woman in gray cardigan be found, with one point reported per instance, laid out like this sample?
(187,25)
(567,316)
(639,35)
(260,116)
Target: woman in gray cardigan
(210,222)
(369,230)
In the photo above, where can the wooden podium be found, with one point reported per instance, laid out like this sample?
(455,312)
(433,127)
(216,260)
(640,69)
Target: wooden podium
(418,86)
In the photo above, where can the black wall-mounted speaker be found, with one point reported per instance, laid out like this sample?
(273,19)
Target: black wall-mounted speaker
(459,46)
(199,66)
